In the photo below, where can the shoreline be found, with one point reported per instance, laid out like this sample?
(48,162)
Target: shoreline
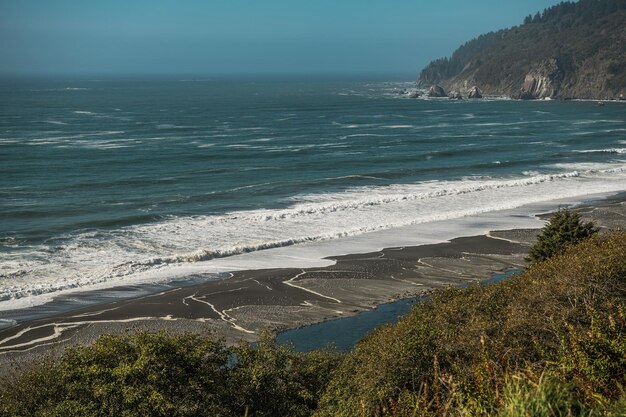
(316,253)
(423,91)
(279,299)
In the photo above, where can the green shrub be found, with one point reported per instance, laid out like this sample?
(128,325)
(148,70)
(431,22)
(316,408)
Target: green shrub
(156,374)
(271,380)
(547,397)
(143,374)
(565,228)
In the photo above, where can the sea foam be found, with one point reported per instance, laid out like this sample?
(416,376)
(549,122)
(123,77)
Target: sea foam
(177,246)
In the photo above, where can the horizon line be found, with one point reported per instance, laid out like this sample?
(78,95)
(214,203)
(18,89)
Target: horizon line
(198,77)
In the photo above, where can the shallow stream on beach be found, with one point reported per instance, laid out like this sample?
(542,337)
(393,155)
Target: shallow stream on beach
(343,334)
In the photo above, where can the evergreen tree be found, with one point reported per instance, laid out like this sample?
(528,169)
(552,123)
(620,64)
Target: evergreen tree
(565,228)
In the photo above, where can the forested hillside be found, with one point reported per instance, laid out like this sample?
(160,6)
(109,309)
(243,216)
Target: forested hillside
(571,50)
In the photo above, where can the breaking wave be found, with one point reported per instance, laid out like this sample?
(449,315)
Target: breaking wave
(119,256)
(620,151)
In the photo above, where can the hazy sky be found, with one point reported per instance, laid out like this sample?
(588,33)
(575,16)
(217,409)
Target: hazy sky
(242,36)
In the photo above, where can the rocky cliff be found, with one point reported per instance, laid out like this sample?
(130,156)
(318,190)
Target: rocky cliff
(572,50)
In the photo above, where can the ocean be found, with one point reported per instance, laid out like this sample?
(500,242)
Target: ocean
(117,182)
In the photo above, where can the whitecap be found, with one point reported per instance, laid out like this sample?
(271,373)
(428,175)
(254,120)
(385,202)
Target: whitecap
(364,135)
(172,126)
(263,140)
(620,151)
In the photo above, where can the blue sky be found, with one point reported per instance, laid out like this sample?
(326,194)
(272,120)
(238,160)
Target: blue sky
(242,36)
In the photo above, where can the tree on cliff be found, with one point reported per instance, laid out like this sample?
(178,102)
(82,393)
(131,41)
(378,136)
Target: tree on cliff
(586,38)
(565,228)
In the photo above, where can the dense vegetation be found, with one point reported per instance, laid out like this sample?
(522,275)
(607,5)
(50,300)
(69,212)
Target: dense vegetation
(564,228)
(550,338)
(587,40)
(158,374)
(550,342)
(445,68)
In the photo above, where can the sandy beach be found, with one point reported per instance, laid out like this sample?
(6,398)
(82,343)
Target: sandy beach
(241,306)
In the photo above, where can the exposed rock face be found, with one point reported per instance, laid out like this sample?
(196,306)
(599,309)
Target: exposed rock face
(542,81)
(475,93)
(436,91)
(525,95)
(455,95)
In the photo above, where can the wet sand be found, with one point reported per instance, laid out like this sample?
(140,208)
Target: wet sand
(239,307)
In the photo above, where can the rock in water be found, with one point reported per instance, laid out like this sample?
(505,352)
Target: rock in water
(475,93)
(413,94)
(456,95)
(436,91)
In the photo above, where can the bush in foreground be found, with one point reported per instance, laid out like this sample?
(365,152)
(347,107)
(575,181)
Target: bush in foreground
(155,374)
(143,374)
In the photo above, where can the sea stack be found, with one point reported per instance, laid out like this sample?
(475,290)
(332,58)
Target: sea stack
(475,93)
(436,91)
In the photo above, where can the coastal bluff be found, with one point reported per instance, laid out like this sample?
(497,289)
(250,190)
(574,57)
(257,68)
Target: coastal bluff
(574,50)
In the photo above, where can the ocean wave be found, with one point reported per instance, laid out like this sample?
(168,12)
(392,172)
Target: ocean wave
(363,135)
(362,197)
(240,145)
(263,139)
(620,151)
(351,177)
(60,89)
(596,121)
(165,126)
(531,173)
(94,257)
(592,168)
